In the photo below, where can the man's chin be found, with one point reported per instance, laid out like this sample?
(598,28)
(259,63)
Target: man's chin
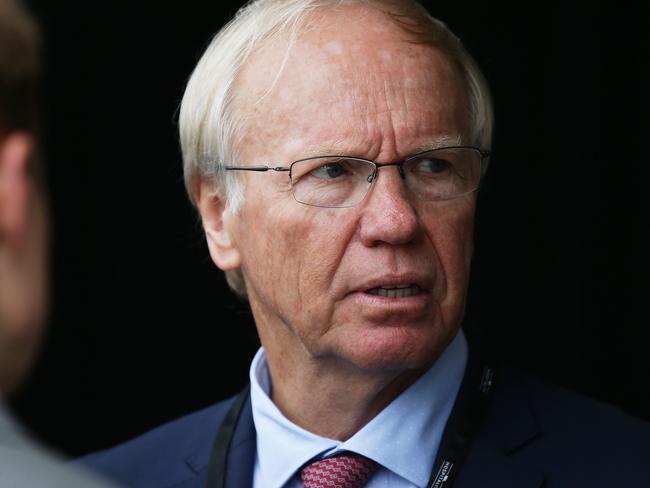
(394,351)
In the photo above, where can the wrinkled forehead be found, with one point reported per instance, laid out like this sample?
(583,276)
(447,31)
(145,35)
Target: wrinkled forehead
(353,62)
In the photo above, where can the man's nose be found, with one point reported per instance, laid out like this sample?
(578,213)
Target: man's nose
(388,213)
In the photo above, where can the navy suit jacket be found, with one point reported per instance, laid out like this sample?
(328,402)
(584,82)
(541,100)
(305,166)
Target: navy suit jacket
(533,435)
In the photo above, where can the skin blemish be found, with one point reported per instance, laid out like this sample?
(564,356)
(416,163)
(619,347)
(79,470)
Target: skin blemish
(385,55)
(333,47)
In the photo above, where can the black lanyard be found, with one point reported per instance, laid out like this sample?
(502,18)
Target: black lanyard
(219,454)
(462,426)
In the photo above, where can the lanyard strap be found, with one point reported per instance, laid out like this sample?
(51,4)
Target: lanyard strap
(461,428)
(219,455)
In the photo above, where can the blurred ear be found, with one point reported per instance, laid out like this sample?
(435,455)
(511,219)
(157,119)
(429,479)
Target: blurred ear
(218,226)
(15,153)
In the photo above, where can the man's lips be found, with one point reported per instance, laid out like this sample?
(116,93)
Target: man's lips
(395,286)
(398,291)
(403,298)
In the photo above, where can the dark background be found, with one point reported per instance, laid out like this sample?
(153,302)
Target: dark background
(142,327)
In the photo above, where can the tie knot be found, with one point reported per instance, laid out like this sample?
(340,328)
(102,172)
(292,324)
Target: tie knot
(347,470)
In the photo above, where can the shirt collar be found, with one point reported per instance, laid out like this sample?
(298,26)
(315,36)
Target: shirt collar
(404,437)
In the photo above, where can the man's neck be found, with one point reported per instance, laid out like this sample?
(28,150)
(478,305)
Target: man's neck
(334,400)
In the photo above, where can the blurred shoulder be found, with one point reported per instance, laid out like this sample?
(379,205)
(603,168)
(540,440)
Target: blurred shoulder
(36,467)
(25,462)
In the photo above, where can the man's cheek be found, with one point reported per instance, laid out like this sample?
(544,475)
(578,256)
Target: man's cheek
(455,235)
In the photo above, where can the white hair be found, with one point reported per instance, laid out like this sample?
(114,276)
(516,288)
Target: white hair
(210,125)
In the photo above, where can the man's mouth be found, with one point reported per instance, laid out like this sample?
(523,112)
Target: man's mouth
(395,291)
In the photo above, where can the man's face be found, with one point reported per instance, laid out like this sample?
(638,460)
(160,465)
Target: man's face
(358,88)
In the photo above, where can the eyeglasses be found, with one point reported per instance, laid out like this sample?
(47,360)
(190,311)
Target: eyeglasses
(341,181)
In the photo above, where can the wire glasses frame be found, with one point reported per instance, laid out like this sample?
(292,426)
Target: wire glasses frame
(438,174)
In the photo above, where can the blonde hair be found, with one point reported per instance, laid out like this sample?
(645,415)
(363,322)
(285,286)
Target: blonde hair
(211,127)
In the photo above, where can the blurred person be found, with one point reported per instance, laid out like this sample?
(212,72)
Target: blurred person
(23,251)
(334,150)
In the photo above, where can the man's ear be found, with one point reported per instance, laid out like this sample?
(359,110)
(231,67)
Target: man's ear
(217,225)
(16,150)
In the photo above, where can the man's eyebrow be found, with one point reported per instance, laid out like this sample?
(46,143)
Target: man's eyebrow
(438,142)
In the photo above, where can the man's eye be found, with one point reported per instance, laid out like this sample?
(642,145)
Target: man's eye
(433,165)
(329,171)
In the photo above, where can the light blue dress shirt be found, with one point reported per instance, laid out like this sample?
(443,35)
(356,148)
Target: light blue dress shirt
(403,438)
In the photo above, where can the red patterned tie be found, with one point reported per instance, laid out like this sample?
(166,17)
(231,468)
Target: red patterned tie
(347,470)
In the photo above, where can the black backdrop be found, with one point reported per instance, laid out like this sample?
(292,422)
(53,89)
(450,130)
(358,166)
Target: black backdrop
(143,328)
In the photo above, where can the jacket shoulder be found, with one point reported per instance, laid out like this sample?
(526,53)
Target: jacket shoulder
(170,455)
(580,441)
(570,414)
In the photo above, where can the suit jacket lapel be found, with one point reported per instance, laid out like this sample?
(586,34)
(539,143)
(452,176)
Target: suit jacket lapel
(488,467)
(509,426)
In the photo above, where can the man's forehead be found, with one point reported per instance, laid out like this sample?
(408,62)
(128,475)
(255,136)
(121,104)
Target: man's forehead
(326,92)
(332,40)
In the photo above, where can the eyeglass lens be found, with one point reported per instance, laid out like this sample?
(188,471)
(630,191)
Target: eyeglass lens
(440,174)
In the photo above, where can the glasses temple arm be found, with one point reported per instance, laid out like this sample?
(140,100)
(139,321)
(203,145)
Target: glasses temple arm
(256,168)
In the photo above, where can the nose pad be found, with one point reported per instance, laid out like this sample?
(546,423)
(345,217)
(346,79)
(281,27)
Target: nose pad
(373,176)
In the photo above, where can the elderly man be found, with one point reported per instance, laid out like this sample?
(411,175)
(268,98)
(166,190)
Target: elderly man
(23,251)
(334,150)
